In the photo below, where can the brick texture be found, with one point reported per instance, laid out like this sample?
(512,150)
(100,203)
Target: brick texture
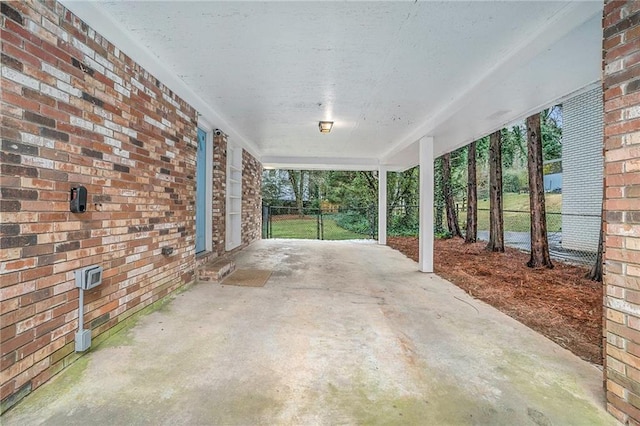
(78,111)
(251,199)
(219,193)
(621,86)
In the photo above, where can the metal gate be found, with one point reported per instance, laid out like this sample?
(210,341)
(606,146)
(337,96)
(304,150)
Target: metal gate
(337,223)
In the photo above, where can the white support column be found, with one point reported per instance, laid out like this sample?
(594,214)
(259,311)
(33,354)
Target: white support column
(425,262)
(382,205)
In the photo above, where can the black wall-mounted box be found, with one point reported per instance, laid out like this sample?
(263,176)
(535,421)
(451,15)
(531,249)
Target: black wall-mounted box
(78,203)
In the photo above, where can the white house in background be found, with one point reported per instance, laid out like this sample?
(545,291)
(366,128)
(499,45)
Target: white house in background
(553,181)
(582,166)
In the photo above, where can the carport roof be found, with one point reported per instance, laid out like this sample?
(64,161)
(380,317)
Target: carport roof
(387,73)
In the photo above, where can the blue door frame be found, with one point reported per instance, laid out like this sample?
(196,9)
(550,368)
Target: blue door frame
(201,191)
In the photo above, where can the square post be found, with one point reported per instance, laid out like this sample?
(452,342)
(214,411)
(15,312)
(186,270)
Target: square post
(425,262)
(382,205)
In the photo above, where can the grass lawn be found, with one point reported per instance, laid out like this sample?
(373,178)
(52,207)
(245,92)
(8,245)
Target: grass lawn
(520,202)
(308,229)
(518,222)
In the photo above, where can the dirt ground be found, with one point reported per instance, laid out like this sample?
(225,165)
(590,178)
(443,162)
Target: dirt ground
(558,303)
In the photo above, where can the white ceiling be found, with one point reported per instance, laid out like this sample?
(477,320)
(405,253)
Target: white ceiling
(387,73)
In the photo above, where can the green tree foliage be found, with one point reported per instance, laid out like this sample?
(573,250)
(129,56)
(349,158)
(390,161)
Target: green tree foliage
(459,173)
(402,188)
(515,180)
(273,182)
(482,149)
(514,147)
(353,189)
(514,153)
(361,188)
(297,179)
(551,131)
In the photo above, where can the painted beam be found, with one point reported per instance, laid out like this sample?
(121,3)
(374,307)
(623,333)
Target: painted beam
(382,205)
(425,261)
(574,17)
(320,163)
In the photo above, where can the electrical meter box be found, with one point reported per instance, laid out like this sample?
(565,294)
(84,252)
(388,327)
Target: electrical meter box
(89,277)
(83,340)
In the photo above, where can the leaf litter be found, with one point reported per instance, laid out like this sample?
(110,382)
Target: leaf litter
(559,303)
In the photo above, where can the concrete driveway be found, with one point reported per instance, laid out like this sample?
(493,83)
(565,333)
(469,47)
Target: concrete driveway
(342,333)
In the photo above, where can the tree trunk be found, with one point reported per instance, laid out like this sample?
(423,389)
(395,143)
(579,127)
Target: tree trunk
(472,196)
(452,219)
(439,197)
(496,223)
(539,242)
(595,274)
(297,183)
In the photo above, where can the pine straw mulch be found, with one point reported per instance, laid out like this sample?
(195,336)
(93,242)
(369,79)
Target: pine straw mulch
(559,303)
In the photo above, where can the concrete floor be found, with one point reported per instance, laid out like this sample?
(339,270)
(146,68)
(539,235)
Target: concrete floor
(343,333)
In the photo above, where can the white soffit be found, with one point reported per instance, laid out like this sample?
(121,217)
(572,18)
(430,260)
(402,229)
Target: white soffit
(387,73)
(556,76)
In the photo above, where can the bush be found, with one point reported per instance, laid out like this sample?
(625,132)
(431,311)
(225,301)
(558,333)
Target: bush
(406,225)
(355,221)
(515,181)
(510,182)
(442,234)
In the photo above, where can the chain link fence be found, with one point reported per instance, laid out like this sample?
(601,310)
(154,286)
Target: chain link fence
(404,221)
(517,225)
(336,223)
(348,223)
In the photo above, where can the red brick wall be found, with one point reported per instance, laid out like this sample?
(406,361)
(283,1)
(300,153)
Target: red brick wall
(77,111)
(621,84)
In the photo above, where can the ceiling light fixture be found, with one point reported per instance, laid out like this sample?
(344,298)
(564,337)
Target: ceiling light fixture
(325,126)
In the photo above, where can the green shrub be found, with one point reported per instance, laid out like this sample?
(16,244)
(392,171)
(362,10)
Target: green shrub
(442,234)
(354,221)
(403,225)
(515,181)
(510,182)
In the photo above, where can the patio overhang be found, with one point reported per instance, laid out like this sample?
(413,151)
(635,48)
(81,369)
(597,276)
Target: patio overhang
(387,73)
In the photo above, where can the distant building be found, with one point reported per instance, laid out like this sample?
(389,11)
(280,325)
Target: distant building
(553,182)
(282,189)
(582,170)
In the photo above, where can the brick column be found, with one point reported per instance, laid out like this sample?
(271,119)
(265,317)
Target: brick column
(219,192)
(621,85)
(251,199)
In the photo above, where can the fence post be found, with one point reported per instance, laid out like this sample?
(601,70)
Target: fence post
(265,221)
(318,225)
(372,220)
(321,225)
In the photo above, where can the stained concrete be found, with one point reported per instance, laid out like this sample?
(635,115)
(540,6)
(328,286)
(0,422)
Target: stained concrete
(342,333)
